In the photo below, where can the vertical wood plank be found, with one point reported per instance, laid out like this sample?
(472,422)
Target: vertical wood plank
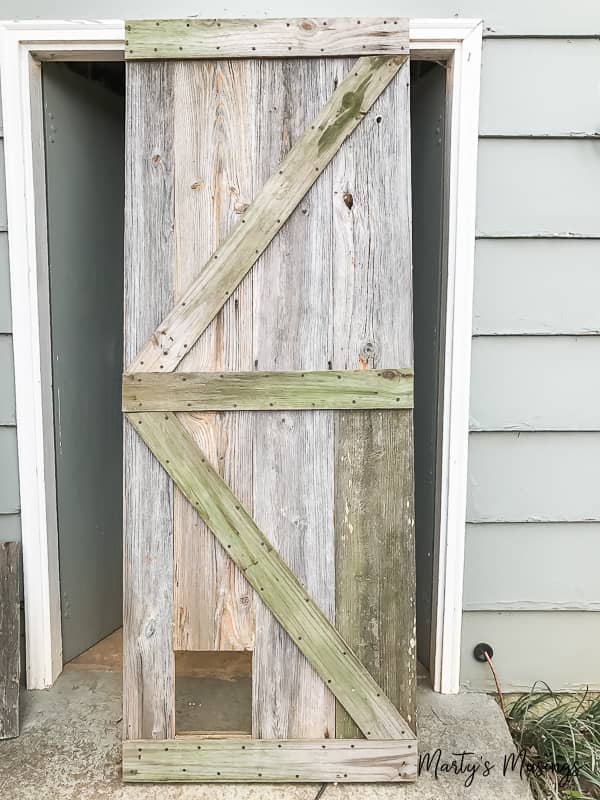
(213,608)
(148,661)
(372,328)
(293,453)
(10,646)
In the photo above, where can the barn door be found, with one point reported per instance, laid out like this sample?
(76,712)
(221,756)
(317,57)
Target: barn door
(268,333)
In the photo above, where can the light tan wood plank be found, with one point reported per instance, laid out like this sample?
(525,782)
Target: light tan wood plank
(372,329)
(273,581)
(293,455)
(269,211)
(148,668)
(260,38)
(264,391)
(213,607)
(262,761)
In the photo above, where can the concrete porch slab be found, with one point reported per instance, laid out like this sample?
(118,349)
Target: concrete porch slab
(69,749)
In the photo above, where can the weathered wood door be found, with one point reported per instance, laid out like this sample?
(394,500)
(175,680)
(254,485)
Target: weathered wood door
(268,333)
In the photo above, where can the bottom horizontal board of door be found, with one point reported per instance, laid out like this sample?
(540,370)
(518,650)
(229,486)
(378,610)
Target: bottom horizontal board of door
(198,760)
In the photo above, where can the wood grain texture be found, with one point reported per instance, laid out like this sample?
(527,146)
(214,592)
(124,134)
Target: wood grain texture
(10,639)
(264,391)
(293,454)
(275,584)
(372,329)
(375,563)
(269,211)
(213,607)
(148,664)
(260,38)
(264,761)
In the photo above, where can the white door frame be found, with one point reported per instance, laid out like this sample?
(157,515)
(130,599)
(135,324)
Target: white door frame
(23,46)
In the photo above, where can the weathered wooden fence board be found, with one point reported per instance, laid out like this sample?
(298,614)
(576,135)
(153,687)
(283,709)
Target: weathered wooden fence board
(282,265)
(270,209)
(213,111)
(265,391)
(10,634)
(274,761)
(148,662)
(279,589)
(259,38)
(372,287)
(375,566)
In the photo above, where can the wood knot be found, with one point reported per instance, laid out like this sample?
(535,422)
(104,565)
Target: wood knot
(197,185)
(348,199)
(156,159)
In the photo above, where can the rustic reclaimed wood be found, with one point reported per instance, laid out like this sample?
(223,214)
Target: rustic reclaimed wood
(268,213)
(275,584)
(372,286)
(271,761)
(375,603)
(264,391)
(264,38)
(292,462)
(214,181)
(10,639)
(148,661)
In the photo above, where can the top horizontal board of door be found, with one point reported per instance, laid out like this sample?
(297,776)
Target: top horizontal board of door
(265,38)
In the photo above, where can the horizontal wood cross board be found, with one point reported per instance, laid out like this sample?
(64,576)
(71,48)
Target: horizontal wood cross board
(268,334)
(274,761)
(264,391)
(260,38)
(10,640)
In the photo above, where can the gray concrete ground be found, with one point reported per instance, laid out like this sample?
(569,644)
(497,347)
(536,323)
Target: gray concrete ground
(69,749)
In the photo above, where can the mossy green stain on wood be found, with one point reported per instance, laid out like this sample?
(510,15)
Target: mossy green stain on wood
(268,391)
(351,105)
(263,38)
(271,578)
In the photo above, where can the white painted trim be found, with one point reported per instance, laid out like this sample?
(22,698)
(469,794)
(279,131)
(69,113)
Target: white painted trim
(463,122)
(23,46)
(26,193)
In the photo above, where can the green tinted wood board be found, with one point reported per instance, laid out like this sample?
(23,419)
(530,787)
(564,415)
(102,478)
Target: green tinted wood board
(269,211)
(272,580)
(375,575)
(267,760)
(262,391)
(260,38)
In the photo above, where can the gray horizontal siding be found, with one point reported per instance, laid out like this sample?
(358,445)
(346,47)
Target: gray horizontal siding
(10,528)
(5,315)
(537,477)
(536,383)
(579,17)
(536,286)
(9,478)
(532,566)
(543,87)
(3,214)
(7,388)
(538,187)
(559,647)
(532,492)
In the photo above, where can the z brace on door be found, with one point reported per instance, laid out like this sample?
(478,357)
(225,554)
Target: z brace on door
(157,398)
